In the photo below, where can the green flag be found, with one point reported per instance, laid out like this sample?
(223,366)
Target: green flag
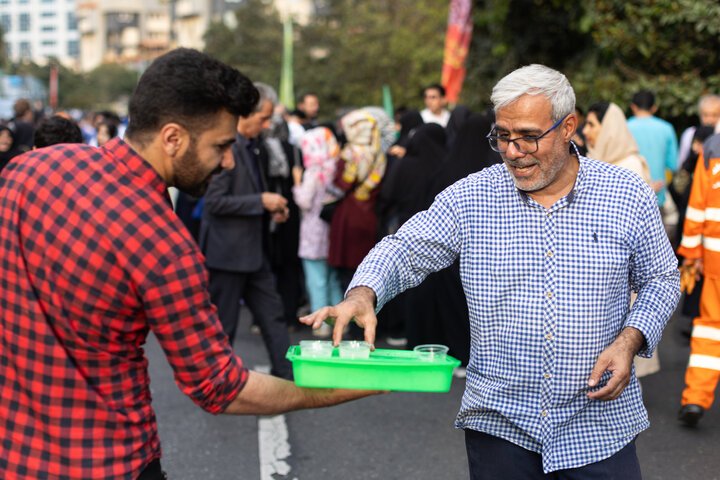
(387,102)
(287,94)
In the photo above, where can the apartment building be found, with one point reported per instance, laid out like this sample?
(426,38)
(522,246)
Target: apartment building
(37,30)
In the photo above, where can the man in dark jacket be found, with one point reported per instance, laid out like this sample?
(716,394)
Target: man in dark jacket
(233,235)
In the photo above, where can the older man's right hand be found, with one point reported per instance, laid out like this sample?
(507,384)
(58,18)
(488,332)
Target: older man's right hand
(273,202)
(358,306)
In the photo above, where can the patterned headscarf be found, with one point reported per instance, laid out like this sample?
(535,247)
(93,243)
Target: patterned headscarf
(364,159)
(320,152)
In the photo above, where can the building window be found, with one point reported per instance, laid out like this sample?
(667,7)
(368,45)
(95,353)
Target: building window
(47,14)
(48,1)
(48,43)
(73,48)
(4,2)
(23,2)
(25,51)
(6,22)
(71,21)
(48,28)
(24,20)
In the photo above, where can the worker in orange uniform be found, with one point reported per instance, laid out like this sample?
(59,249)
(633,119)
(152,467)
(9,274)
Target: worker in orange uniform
(700,246)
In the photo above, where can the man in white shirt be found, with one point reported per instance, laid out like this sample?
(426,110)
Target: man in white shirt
(435,102)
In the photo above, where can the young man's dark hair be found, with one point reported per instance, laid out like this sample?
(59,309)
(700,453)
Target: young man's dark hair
(302,97)
(56,129)
(435,86)
(644,100)
(171,90)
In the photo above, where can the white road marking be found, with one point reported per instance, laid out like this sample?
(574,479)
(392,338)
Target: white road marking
(273,445)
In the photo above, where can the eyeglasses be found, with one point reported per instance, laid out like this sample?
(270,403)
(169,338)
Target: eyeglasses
(525,145)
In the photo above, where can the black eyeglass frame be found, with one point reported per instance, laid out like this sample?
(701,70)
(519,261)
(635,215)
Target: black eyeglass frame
(494,138)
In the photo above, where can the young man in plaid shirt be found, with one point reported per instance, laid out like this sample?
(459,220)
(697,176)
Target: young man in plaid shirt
(92,257)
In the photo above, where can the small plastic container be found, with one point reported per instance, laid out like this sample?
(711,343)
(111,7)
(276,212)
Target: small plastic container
(316,348)
(354,349)
(431,352)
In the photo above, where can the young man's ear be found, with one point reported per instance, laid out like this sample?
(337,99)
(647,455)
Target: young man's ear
(174,139)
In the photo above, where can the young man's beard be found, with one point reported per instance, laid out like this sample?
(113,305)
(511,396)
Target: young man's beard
(188,172)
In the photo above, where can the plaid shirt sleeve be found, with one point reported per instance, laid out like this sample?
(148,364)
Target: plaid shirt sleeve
(177,305)
(653,275)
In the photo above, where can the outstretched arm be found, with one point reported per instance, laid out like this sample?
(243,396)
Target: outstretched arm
(268,395)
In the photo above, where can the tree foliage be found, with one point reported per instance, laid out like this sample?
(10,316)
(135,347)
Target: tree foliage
(608,49)
(253,45)
(669,46)
(346,53)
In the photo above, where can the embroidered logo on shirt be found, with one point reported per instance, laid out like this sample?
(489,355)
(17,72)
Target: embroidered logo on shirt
(716,169)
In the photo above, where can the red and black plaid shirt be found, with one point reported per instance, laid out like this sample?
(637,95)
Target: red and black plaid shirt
(92,257)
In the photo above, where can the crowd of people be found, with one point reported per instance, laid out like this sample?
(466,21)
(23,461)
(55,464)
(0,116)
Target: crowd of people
(31,128)
(429,225)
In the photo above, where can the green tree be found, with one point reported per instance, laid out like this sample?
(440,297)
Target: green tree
(608,49)
(669,46)
(510,34)
(346,54)
(253,45)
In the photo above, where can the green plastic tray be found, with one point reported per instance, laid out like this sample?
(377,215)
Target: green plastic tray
(384,370)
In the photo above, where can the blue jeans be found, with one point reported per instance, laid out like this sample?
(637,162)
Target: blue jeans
(492,458)
(322,284)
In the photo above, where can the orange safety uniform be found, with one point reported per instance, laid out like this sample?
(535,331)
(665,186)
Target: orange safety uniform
(701,239)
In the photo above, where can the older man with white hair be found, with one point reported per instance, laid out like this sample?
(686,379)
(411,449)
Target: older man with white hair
(550,245)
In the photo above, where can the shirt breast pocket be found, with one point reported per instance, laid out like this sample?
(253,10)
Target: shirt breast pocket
(600,255)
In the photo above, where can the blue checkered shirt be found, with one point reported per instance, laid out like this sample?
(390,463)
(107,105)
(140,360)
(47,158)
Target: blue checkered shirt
(547,291)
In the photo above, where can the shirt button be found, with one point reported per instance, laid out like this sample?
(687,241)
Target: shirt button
(548,336)
(547,375)
(549,253)
(544,413)
(549,294)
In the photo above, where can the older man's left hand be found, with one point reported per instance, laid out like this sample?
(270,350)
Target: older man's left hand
(616,359)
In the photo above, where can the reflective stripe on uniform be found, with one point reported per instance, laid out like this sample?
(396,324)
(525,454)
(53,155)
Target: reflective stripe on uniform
(704,361)
(712,214)
(695,214)
(691,242)
(711,243)
(701,331)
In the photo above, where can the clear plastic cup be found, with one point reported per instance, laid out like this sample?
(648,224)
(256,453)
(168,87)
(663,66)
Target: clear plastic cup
(431,352)
(354,349)
(316,348)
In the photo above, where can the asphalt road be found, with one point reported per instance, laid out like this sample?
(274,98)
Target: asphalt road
(394,436)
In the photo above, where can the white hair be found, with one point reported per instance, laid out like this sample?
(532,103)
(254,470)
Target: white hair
(708,98)
(267,94)
(536,80)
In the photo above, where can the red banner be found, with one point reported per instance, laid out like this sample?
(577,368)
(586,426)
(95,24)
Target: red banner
(53,90)
(457,44)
